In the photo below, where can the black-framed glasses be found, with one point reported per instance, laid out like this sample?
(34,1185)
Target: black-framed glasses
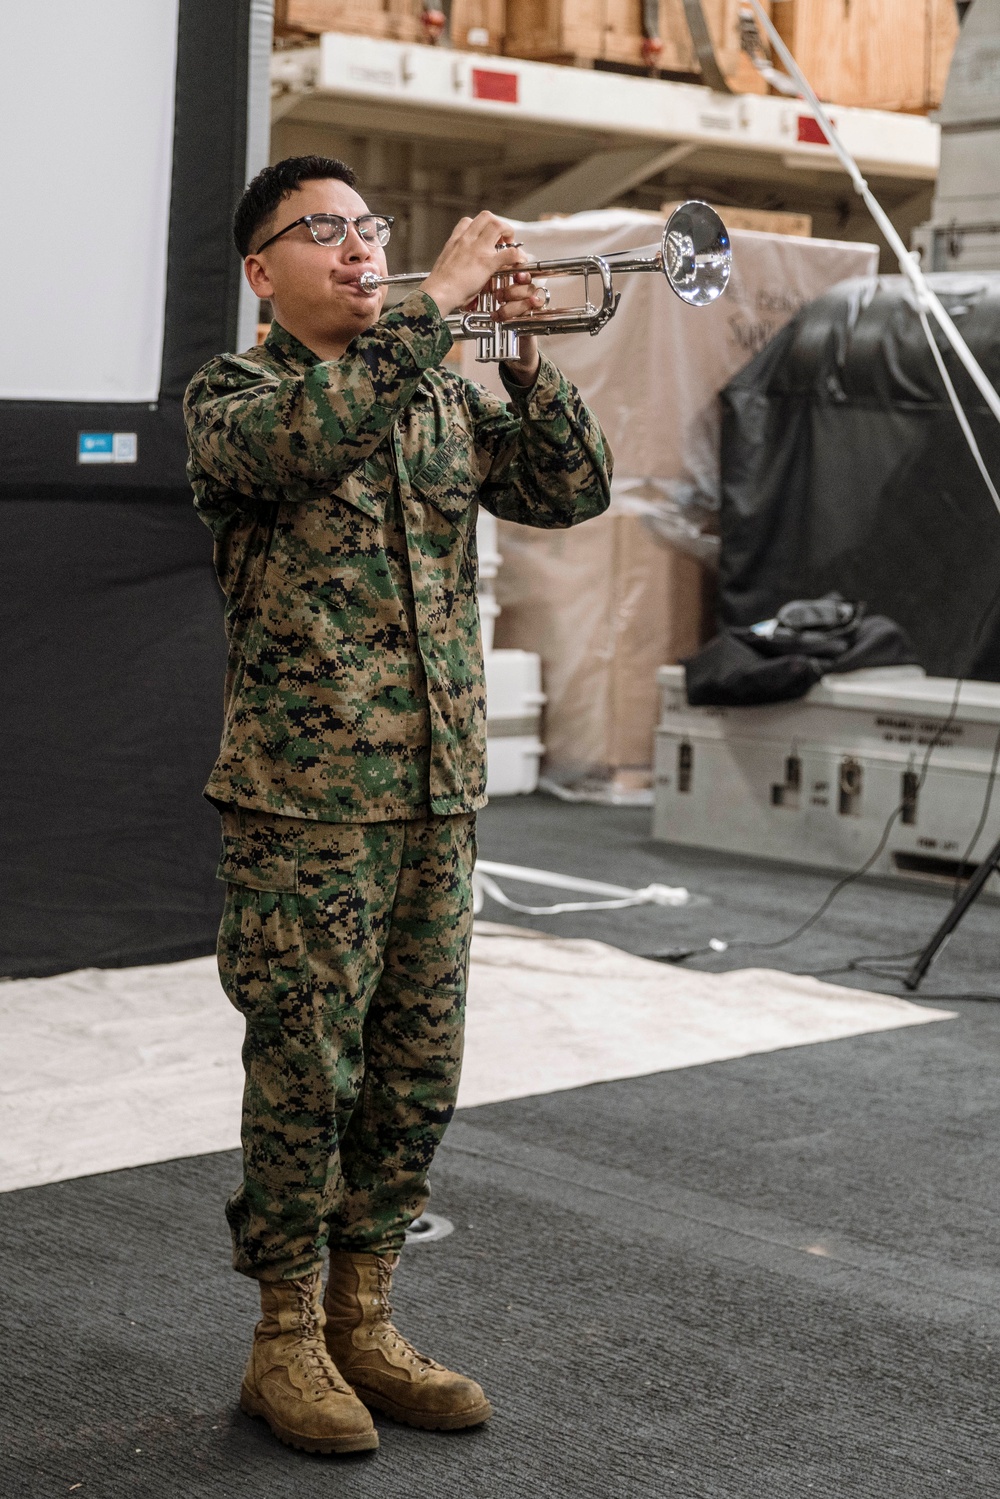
(331,228)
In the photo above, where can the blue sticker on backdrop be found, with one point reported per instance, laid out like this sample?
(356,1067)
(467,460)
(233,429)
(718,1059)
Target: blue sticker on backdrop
(107,447)
(96,447)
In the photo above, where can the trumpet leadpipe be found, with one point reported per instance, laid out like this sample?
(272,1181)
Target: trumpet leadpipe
(368,281)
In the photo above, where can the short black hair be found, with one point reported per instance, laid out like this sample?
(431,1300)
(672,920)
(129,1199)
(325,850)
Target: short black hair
(272,185)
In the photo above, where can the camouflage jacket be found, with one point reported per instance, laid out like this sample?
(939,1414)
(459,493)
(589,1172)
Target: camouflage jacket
(343,496)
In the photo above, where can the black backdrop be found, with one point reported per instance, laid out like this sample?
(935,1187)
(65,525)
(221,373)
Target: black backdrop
(110,614)
(844,467)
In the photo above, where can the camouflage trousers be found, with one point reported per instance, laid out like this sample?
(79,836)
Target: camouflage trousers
(346,948)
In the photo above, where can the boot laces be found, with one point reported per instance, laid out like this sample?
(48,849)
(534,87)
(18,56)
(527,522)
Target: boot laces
(316,1362)
(383,1315)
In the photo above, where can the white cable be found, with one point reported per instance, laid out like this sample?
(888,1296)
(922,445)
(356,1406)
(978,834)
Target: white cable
(549,877)
(907,263)
(652,895)
(619,896)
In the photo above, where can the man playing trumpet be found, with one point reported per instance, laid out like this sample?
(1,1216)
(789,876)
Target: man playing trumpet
(340,469)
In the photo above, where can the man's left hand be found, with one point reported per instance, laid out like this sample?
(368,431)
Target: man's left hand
(520,299)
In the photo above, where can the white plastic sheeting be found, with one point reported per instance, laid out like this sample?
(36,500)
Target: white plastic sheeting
(105,1069)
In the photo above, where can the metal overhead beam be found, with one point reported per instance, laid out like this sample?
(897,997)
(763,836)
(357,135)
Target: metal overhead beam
(598,180)
(513,94)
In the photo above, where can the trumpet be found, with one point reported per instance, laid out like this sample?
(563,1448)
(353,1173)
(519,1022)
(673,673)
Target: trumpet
(693,254)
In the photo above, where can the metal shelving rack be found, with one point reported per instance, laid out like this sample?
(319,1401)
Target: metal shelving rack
(436,133)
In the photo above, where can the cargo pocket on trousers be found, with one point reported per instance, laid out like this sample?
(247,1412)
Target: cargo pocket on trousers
(256,859)
(263,964)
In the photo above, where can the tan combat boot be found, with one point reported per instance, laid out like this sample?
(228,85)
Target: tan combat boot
(291,1381)
(386,1371)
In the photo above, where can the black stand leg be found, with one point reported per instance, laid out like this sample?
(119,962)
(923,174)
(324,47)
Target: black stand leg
(954,916)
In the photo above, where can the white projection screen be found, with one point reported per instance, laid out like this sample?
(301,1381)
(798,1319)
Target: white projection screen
(86,121)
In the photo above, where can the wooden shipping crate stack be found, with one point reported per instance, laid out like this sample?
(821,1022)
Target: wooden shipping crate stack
(621,31)
(876,54)
(763,220)
(475,25)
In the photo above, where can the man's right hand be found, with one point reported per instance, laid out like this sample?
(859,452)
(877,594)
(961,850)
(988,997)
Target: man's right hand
(470,259)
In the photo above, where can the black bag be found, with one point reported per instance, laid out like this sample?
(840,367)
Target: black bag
(781,658)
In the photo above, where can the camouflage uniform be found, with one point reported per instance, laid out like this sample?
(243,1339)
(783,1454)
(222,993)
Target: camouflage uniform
(343,497)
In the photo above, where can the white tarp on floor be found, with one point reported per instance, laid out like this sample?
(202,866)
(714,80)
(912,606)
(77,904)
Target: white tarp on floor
(122,1067)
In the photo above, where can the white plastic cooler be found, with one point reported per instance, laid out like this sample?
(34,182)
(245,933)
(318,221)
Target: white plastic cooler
(489,566)
(514,700)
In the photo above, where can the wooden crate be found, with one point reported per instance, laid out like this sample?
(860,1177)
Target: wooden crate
(588,31)
(404,23)
(399,20)
(555,30)
(761,219)
(623,36)
(311,17)
(878,54)
(478,25)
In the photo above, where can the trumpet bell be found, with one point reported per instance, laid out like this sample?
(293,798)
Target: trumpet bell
(696,254)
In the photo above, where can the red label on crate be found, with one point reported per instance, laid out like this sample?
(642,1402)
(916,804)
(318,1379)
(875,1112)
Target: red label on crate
(811,131)
(502,87)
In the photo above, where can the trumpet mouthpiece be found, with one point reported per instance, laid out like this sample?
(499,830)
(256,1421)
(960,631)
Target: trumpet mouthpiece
(368,281)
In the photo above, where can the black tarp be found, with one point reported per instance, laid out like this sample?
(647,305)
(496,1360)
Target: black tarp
(844,468)
(110,615)
(113,668)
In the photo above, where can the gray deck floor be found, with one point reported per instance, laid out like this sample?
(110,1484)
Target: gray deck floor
(775,1277)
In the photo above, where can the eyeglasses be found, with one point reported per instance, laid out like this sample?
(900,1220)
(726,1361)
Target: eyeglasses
(331,228)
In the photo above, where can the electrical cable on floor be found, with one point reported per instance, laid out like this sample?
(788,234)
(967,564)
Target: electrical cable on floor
(953,998)
(864,962)
(717,945)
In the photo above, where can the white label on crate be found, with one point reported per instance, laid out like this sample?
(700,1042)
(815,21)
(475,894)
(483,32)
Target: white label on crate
(913,731)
